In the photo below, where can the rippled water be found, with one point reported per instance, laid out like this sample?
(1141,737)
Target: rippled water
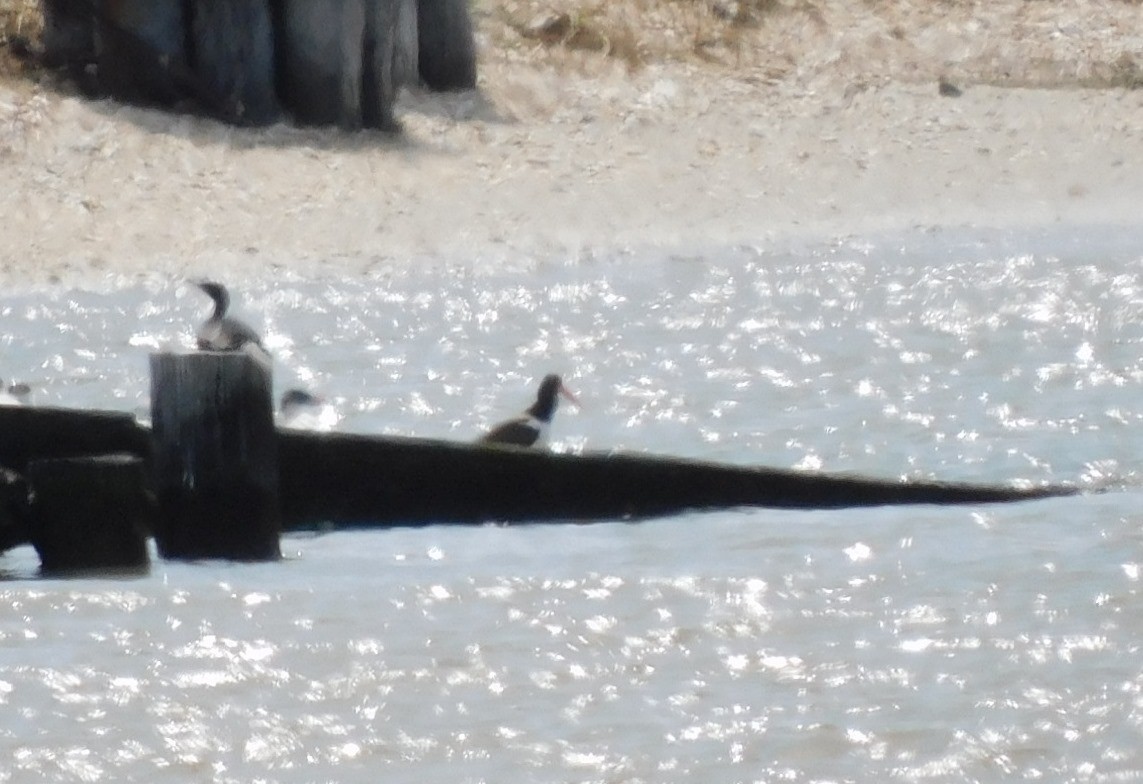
(911,643)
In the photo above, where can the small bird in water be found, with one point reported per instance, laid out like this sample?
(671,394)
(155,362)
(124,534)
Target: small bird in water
(301,410)
(531,427)
(16,395)
(221,332)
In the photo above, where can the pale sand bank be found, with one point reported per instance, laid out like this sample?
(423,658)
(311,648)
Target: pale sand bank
(550,158)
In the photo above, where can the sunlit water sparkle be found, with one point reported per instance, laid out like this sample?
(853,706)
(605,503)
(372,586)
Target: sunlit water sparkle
(911,643)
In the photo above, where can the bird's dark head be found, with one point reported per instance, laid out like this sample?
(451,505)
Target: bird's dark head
(217,292)
(295,398)
(547,399)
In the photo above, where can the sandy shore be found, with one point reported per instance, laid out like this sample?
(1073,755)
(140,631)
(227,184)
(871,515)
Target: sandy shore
(831,124)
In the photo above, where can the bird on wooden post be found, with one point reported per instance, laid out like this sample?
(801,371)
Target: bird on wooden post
(221,332)
(531,427)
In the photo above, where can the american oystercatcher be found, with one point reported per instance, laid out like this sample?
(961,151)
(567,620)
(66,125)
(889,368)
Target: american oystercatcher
(531,427)
(221,332)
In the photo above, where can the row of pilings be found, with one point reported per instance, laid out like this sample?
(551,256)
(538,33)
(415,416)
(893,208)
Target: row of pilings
(253,62)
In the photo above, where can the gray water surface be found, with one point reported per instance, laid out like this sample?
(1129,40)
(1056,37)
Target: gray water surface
(910,643)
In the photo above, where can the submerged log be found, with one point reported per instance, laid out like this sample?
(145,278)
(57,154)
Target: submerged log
(234,58)
(447,47)
(349,480)
(215,456)
(90,513)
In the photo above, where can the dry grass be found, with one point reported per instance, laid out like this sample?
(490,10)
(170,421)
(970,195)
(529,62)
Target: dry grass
(18,19)
(633,31)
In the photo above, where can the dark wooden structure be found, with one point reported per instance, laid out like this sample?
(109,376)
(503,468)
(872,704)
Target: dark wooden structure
(90,514)
(344,480)
(248,62)
(446,51)
(224,482)
(215,456)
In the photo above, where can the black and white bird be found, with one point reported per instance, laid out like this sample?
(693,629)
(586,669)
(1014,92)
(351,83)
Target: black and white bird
(301,410)
(531,427)
(15,395)
(221,332)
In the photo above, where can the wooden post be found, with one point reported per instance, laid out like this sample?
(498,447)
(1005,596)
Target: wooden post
(343,61)
(215,456)
(320,49)
(234,58)
(90,513)
(141,49)
(389,59)
(69,36)
(447,48)
(13,510)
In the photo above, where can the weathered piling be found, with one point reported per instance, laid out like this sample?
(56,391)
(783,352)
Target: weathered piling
(244,61)
(350,480)
(342,61)
(320,59)
(90,513)
(447,46)
(69,33)
(141,50)
(233,47)
(13,510)
(215,456)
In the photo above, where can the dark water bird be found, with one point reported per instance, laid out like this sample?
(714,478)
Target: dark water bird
(221,332)
(15,395)
(302,410)
(531,427)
